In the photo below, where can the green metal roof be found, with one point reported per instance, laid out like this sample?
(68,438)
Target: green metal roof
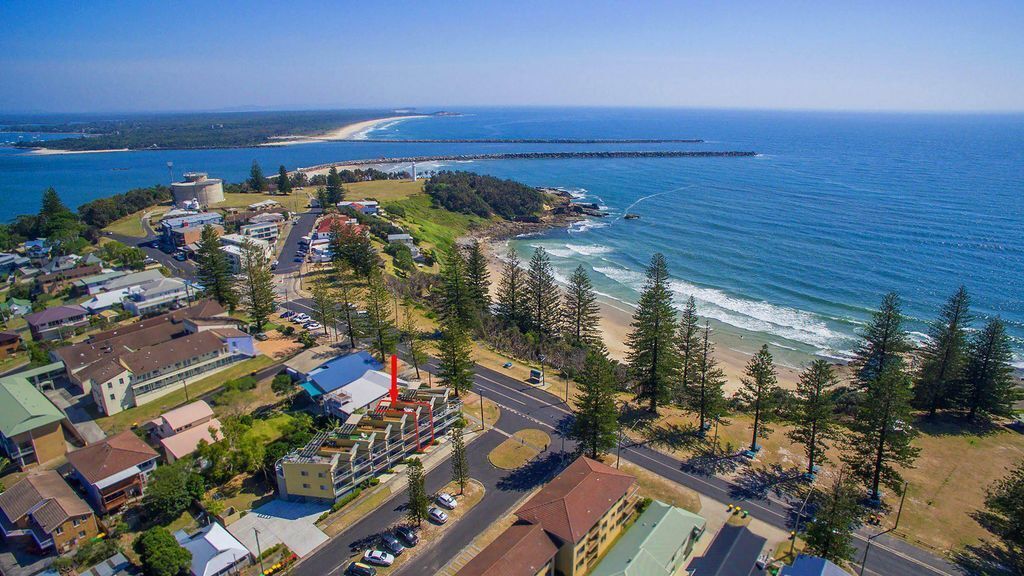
(646,549)
(23,407)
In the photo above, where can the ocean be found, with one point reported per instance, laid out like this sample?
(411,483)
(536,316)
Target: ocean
(793,247)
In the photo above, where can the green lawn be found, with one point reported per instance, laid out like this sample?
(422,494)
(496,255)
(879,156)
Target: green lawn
(297,201)
(435,227)
(383,190)
(130,225)
(140,414)
(270,429)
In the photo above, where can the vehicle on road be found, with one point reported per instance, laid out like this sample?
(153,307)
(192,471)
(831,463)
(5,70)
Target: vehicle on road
(359,569)
(378,557)
(408,535)
(437,515)
(446,500)
(390,543)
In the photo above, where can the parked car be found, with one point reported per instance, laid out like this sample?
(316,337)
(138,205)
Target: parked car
(359,569)
(287,314)
(408,535)
(261,336)
(446,500)
(297,259)
(301,318)
(391,543)
(273,265)
(312,326)
(179,256)
(378,557)
(437,515)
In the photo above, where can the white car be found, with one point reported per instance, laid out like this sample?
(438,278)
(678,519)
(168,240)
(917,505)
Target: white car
(446,500)
(378,557)
(312,326)
(437,515)
(300,318)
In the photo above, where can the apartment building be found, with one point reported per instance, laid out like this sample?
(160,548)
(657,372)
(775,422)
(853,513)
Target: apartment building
(335,462)
(141,362)
(266,231)
(232,244)
(581,512)
(45,513)
(155,296)
(180,430)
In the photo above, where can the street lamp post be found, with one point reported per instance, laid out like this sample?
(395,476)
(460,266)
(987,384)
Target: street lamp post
(259,552)
(899,512)
(799,515)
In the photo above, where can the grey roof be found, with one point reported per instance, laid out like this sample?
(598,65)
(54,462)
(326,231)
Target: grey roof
(116,565)
(733,553)
(54,314)
(133,279)
(812,566)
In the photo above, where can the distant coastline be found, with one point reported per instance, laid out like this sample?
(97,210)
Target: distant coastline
(355,132)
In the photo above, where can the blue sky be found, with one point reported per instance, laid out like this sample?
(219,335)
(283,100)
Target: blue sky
(137,56)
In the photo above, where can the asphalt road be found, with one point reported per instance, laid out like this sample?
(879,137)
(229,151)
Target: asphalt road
(302,224)
(888,555)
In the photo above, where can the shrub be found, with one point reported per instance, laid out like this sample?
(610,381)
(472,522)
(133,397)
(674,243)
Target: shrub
(346,499)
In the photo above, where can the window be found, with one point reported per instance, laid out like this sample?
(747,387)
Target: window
(305,485)
(59,530)
(319,474)
(323,487)
(110,385)
(111,396)
(76,521)
(81,533)
(304,473)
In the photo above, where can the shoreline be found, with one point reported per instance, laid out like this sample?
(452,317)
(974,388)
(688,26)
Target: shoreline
(347,132)
(59,152)
(615,323)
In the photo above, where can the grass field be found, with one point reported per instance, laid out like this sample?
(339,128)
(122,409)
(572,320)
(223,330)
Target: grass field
(383,191)
(661,488)
(131,225)
(522,447)
(297,201)
(140,414)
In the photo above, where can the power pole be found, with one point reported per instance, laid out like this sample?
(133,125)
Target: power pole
(899,512)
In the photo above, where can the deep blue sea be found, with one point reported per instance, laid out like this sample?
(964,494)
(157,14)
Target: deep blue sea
(792,247)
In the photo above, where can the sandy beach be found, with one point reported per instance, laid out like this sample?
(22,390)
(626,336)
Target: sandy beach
(615,321)
(354,131)
(53,152)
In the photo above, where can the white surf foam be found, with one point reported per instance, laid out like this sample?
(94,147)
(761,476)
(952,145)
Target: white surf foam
(585,225)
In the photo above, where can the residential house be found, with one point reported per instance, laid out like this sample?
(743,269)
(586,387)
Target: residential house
(265,205)
(95,284)
(322,231)
(45,512)
(734,550)
(116,565)
(113,472)
(10,343)
(11,262)
(407,240)
(358,394)
(215,551)
(54,282)
(38,249)
(267,217)
(31,427)
(114,291)
(181,429)
(335,373)
(137,363)
(368,207)
(659,543)
(15,307)
(582,511)
(57,323)
(333,463)
(805,565)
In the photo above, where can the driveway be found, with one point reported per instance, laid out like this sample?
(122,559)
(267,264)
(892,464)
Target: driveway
(292,523)
(74,407)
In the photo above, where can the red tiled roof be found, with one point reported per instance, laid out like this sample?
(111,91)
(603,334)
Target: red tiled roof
(571,503)
(521,550)
(327,223)
(115,454)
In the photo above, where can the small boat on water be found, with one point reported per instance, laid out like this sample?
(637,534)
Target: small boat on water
(632,216)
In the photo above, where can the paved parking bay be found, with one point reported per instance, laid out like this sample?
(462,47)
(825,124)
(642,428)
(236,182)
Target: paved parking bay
(292,523)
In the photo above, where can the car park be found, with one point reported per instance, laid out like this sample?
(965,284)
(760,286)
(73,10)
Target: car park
(392,544)
(437,515)
(446,500)
(360,569)
(408,535)
(378,557)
